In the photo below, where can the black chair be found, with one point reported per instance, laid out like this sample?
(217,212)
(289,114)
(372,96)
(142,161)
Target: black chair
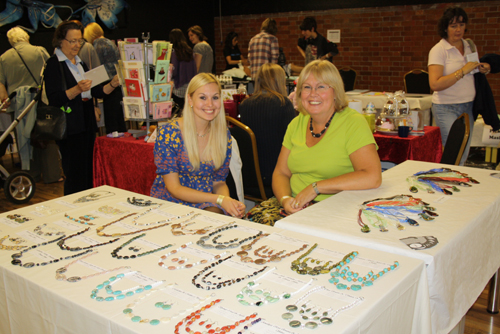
(417,82)
(253,187)
(348,77)
(456,141)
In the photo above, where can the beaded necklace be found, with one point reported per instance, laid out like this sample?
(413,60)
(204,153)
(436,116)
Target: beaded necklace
(61,277)
(182,263)
(268,257)
(85,219)
(139,202)
(180,228)
(108,210)
(314,320)
(39,230)
(9,247)
(300,266)
(134,220)
(317,135)
(350,276)
(260,296)
(96,195)
(226,244)
(17,256)
(209,285)
(62,243)
(115,252)
(120,294)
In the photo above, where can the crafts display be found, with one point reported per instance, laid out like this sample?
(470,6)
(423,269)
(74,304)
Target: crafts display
(394,210)
(85,219)
(342,271)
(316,267)
(217,234)
(94,196)
(116,255)
(440,180)
(120,294)
(18,218)
(311,316)
(182,261)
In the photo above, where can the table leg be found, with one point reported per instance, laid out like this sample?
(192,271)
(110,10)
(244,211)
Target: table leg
(488,154)
(493,295)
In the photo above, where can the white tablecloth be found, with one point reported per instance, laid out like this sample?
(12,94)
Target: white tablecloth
(33,301)
(458,268)
(416,101)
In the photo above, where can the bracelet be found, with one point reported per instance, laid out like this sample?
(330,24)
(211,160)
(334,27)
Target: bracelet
(220,199)
(315,187)
(284,198)
(112,85)
(457,76)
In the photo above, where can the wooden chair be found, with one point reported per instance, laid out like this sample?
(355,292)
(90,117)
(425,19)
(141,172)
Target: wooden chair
(349,77)
(417,82)
(253,187)
(456,141)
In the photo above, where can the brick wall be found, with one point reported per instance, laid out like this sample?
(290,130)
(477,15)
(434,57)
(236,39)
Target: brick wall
(380,43)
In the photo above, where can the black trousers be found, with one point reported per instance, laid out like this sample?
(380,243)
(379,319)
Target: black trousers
(113,112)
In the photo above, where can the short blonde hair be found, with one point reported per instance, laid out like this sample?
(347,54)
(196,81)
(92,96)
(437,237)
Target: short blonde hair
(217,143)
(92,32)
(16,35)
(327,73)
(271,78)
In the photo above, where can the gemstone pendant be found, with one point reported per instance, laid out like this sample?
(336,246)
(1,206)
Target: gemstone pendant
(294,323)
(287,316)
(292,308)
(311,325)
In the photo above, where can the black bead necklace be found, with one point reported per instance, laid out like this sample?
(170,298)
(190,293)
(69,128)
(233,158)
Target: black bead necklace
(62,243)
(317,135)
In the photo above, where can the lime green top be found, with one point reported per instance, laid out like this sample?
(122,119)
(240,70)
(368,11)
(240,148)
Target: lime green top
(329,158)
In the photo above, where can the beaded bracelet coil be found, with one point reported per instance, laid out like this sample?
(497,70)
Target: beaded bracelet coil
(120,294)
(116,255)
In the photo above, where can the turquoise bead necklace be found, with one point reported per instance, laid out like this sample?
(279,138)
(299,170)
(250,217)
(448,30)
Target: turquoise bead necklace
(119,294)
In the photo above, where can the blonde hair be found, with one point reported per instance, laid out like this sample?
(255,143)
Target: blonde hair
(271,79)
(327,73)
(16,35)
(92,32)
(216,149)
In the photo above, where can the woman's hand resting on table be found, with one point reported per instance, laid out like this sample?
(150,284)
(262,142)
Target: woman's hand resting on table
(233,207)
(292,205)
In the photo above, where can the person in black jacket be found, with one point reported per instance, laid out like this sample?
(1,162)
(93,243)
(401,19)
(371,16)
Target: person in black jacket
(67,87)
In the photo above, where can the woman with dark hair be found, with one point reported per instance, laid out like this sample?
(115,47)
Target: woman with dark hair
(184,65)
(452,64)
(203,53)
(232,53)
(268,112)
(67,87)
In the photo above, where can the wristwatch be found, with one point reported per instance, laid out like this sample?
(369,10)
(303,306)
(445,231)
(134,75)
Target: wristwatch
(315,187)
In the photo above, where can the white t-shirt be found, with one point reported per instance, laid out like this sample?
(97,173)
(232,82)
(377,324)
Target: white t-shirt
(448,56)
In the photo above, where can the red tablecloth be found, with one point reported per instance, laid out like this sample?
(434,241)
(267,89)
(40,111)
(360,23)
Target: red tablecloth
(422,148)
(125,163)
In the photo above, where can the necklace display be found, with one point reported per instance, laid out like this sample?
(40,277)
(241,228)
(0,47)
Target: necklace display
(196,315)
(180,228)
(350,276)
(61,277)
(85,219)
(139,202)
(18,218)
(117,256)
(317,135)
(17,256)
(395,210)
(119,294)
(268,256)
(108,210)
(226,244)
(182,263)
(96,195)
(439,180)
(260,297)
(62,243)
(39,230)
(9,247)
(209,285)
(300,265)
(312,316)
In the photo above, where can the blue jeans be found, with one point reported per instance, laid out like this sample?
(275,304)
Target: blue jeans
(446,114)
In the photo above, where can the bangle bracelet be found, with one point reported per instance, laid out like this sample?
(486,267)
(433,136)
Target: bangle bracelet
(112,85)
(220,199)
(284,198)
(315,187)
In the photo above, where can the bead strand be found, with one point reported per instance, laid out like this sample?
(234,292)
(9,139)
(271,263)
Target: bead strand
(9,247)
(115,252)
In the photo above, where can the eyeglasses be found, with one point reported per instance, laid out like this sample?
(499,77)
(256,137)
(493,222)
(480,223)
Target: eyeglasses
(319,89)
(75,41)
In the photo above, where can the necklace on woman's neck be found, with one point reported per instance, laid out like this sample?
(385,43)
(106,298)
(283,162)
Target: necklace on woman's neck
(207,130)
(317,135)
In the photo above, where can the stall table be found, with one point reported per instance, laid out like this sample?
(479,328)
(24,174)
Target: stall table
(33,301)
(467,229)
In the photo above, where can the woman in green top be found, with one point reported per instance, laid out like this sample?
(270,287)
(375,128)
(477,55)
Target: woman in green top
(328,147)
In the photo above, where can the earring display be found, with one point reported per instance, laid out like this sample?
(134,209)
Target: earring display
(94,196)
(120,294)
(140,202)
(225,244)
(181,262)
(10,247)
(62,243)
(61,277)
(85,219)
(116,255)
(39,230)
(441,180)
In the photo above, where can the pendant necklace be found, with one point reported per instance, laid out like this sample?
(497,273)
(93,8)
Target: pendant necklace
(260,297)
(96,195)
(120,294)
(300,265)
(353,277)
(226,244)
(116,255)
(139,202)
(206,132)
(17,256)
(62,243)
(182,263)
(317,135)
(9,247)
(313,316)
(61,277)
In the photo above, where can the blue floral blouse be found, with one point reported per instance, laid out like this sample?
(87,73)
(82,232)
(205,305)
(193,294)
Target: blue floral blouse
(170,156)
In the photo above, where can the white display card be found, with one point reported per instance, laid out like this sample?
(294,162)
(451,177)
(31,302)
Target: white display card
(66,203)
(286,240)
(9,222)
(67,224)
(183,295)
(32,236)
